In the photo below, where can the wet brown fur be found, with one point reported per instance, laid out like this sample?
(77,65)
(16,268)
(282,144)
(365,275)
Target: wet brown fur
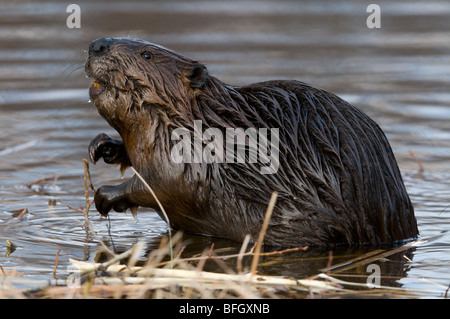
(338,180)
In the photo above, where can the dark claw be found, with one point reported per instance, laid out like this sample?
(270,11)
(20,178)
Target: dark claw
(94,152)
(112,150)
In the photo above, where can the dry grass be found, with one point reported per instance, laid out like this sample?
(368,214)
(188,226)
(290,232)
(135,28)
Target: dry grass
(165,274)
(120,277)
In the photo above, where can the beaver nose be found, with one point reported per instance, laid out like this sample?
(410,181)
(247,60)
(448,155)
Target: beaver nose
(100,46)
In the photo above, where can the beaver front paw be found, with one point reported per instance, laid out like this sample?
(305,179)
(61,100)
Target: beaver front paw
(111,197)
(113,151)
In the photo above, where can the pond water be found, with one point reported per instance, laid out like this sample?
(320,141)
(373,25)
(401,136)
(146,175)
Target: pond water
(399,74)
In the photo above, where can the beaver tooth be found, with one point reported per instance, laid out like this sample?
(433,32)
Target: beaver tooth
(96,85)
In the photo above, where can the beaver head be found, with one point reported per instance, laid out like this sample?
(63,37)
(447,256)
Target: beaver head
(131,74)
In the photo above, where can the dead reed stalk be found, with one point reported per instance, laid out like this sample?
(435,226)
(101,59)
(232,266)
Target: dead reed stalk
(263,231)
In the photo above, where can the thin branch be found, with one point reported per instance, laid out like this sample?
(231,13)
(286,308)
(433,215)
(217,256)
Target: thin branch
(56,263)
(161,208)
(263,231)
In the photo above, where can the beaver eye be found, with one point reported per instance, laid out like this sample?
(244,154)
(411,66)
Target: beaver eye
(146,55)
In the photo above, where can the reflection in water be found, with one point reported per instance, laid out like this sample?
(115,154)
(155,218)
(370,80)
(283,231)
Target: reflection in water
(398,74)
(354,265)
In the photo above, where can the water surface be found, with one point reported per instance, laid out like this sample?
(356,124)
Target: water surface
(398,74)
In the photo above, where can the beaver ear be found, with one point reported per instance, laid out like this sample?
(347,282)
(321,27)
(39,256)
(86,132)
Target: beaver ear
(197,75)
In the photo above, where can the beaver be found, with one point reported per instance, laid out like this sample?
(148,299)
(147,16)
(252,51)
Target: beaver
(336,176)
